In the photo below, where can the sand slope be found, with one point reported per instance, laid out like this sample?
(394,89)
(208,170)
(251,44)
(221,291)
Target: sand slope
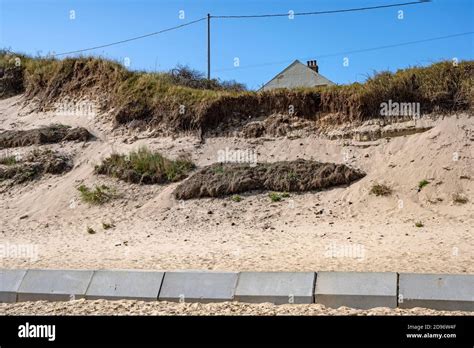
(345,228)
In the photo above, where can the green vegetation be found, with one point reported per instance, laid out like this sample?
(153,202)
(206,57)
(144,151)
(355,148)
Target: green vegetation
(381,190)
(8,160)
(274,196)
(218,169)
(292,176)
(145,167)
(236,198)
(277,197)
(419,224)
(98,195)
(422,184)
(90,230)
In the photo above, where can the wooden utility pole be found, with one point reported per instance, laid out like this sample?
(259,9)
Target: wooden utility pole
(208,46)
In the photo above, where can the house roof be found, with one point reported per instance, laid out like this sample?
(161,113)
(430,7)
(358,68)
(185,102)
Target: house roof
(296,75)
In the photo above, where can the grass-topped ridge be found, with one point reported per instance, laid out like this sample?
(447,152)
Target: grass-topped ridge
(183,100)
(18,169)
(232,179)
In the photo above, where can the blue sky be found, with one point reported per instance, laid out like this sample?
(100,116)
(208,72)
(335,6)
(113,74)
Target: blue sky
(263,46)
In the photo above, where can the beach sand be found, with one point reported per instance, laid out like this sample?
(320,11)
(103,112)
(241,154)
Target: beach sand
(343,229)
(127,307)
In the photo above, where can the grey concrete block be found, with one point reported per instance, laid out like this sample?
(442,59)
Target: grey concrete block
(54,285)
(198,286)
(275,287)
(356,289)
(122,284)
(10,281)
(437,291)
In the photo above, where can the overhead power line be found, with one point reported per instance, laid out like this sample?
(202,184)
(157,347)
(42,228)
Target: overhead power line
(336,54)
(399,44)
(322,12)
(209,17)
(131,39)
(233,17)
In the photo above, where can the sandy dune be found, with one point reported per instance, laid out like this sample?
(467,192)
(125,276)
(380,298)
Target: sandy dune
(345,228)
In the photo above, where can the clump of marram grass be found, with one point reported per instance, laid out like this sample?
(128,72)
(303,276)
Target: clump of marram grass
(381,190)
(236,198)
(419,224)
(277,196)
(274,196)
(8,160)
(422,184)
(90,230)
(460,198)
(97,195)
(219,169)
(145,167)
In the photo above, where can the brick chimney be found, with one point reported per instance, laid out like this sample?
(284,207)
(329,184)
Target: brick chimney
(313,65)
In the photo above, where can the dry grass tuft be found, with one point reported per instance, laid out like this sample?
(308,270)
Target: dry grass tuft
(381,190)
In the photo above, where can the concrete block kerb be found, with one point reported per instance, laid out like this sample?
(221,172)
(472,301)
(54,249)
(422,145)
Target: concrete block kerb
(437,291)
(54,285)
(10,281)
(275,287)
(333,289)
(198,286)
(123,284)
(356,289)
